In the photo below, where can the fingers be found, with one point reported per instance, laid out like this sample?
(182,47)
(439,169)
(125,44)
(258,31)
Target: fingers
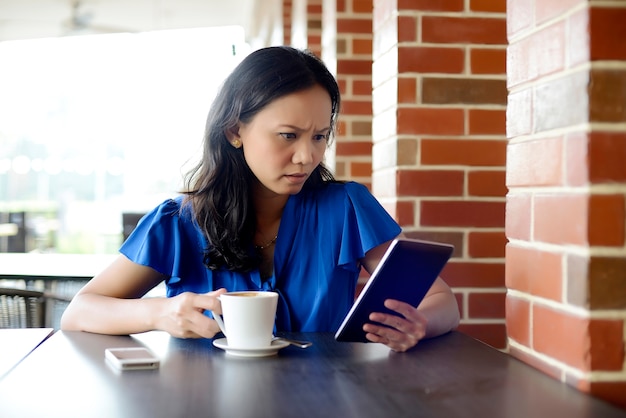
(209,301)
(186,318)
(399,333)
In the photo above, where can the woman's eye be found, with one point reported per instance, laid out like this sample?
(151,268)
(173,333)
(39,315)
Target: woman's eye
(288,135)
(321,137)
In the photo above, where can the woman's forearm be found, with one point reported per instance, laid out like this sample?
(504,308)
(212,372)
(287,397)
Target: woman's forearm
(107,315)
(442,312)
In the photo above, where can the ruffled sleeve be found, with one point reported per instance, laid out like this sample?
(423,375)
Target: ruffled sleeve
(163,239)
(366,224)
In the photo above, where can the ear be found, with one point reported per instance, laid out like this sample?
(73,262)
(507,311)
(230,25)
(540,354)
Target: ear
(232,134)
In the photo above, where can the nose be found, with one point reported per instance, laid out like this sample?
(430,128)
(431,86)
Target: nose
(304,151)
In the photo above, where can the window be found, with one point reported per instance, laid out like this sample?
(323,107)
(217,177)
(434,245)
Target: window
(93,127)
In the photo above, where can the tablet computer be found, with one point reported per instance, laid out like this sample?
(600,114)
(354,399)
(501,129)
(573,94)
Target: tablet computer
(405,272)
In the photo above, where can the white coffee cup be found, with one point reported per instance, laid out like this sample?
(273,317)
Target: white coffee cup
(248,318)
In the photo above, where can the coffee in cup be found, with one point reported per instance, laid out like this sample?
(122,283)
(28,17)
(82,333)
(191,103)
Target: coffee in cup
(248,318)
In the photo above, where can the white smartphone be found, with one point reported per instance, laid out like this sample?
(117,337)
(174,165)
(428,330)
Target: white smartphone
(131,358)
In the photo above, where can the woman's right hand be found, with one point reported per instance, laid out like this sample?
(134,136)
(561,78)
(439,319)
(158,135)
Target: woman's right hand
(113,303)
(183,316)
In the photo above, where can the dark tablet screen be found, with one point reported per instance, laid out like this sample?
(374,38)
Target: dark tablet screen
(406,272)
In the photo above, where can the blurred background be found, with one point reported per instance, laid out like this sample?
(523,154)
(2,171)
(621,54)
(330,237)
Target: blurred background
(102,109)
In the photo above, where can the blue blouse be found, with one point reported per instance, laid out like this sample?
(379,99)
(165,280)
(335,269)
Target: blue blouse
(322,236)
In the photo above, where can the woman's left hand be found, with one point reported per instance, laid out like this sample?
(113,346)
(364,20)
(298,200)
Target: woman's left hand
(402,332)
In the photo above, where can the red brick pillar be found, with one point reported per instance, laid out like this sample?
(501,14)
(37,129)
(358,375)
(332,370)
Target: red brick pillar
(439,141)
(347,50)
(314,26)
(302,25)
(566,171)
(287,21)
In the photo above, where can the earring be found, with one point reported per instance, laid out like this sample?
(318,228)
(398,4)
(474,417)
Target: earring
(236,143)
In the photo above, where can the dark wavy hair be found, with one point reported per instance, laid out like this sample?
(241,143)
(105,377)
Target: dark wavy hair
(219,187)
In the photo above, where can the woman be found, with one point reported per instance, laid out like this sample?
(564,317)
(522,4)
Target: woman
(260,211)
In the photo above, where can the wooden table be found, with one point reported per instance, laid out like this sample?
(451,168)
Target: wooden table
(16,344)
(450,376)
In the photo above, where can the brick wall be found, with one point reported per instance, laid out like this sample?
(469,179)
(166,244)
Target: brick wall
(302,24)
(439,88)
(566,257)
(353,147)
(287,21)
(314,26)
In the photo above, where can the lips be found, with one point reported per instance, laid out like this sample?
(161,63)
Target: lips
(297,177)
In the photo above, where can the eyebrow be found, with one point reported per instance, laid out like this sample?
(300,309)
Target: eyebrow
(296,128)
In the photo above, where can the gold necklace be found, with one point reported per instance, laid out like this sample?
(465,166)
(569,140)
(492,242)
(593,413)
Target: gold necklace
(267,245)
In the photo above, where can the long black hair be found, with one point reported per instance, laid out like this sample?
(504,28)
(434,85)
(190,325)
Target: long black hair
(219,187)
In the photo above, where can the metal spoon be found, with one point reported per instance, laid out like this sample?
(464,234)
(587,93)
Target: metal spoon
(301,344)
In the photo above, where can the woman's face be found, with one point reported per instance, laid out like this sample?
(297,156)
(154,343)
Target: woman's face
(286,140)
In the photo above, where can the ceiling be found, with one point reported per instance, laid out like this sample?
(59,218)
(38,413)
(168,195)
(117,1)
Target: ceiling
(29,19)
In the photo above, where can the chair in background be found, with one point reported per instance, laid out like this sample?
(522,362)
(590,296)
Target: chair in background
(13,234)
(22,308)
(129,222)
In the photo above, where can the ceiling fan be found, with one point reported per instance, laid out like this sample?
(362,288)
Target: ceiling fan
(81,21)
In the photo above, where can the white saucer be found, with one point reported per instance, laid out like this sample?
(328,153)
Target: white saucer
(272,350)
